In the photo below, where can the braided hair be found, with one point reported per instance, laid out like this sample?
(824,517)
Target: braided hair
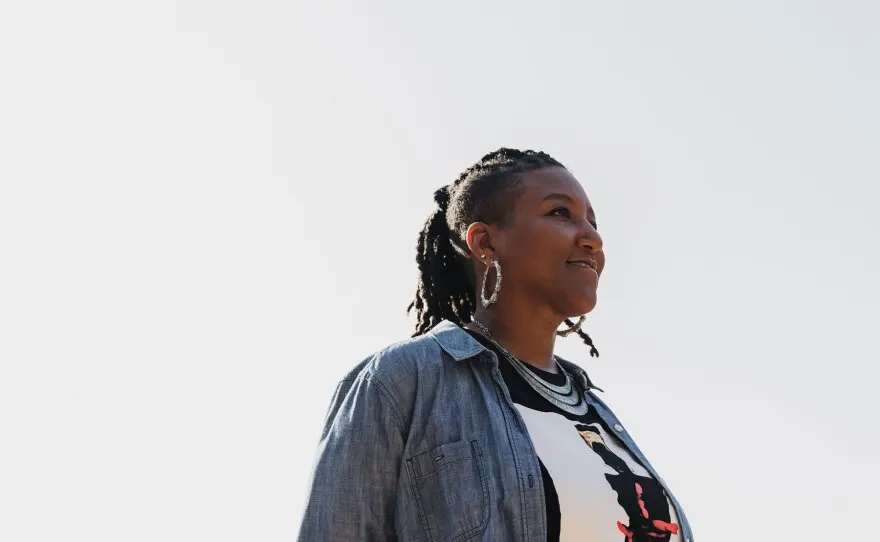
(484,192)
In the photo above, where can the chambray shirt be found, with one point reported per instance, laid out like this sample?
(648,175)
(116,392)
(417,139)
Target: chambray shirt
(422,442)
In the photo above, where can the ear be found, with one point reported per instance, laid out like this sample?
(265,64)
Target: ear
(479,240)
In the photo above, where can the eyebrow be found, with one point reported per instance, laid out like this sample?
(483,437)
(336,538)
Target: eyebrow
(557,195)
(568,199)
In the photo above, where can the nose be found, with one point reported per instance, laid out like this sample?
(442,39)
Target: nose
(590,238)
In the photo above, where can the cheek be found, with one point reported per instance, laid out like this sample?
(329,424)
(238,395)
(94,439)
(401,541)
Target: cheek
(540,254)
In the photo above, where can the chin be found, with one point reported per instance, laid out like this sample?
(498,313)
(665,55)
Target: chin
(582,305)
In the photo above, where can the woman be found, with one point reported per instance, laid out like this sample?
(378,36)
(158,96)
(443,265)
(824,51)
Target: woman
(474,429)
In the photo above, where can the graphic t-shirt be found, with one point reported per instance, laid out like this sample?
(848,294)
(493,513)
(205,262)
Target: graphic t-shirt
(596,490)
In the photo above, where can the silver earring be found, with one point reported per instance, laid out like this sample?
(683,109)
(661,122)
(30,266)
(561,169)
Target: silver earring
(483,299)
(572,329)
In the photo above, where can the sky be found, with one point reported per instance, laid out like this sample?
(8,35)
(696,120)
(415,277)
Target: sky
(209,210)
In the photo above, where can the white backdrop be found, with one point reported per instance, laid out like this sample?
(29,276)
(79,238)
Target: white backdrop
(208,213)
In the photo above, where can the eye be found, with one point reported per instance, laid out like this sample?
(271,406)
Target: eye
(561,212)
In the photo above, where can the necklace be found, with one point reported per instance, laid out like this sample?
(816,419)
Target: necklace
(565,397)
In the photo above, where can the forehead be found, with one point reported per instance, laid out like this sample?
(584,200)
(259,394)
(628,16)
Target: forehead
(538,184)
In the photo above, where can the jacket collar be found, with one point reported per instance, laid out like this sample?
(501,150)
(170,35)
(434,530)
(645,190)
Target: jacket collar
(459,344)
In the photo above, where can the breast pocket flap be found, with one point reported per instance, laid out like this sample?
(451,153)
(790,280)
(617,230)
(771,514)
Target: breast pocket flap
(428,463)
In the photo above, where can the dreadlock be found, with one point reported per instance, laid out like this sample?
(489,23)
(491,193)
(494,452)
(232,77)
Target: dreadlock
(482,193)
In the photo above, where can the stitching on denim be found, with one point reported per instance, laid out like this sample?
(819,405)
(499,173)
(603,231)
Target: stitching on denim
(481,471)
(383,391)
(418,498)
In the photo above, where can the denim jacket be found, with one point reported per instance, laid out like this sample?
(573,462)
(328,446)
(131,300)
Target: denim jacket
(422,442)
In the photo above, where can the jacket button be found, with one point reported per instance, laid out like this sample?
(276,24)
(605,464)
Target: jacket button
(618,428)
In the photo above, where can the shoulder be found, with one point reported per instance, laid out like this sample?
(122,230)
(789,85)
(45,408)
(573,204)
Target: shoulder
(403,369)
(430,352)
(419,366)
(399,359)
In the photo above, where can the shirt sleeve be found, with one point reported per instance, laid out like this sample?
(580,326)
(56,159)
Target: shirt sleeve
(353,486)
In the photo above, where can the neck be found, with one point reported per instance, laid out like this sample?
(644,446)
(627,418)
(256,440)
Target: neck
(521,333)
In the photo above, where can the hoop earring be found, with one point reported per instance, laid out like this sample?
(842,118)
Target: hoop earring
(494,297)
(572,329)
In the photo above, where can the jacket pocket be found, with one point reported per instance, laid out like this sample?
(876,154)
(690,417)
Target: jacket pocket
(450,487)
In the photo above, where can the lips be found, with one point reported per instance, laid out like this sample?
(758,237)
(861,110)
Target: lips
(589,264)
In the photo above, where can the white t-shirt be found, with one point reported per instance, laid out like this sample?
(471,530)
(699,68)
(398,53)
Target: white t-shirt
(583,460)
(596,490)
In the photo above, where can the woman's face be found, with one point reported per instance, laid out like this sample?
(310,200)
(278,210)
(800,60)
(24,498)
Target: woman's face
(550,252)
